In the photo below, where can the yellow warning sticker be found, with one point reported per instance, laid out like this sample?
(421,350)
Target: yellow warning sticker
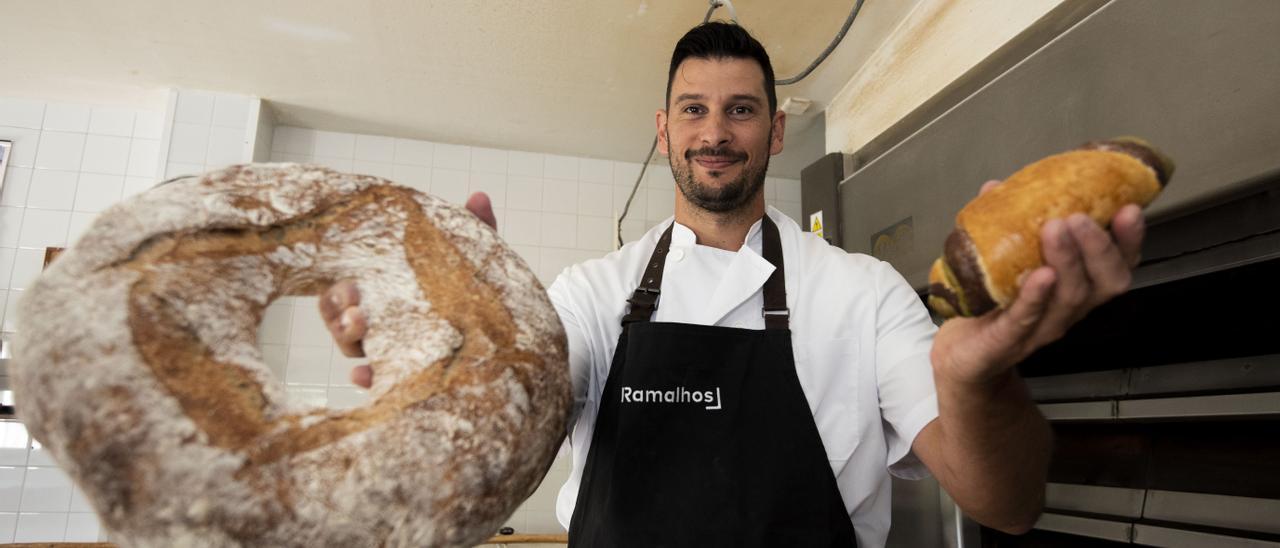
(815,223)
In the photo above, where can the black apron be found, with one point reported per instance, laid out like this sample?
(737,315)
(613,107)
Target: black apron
(704,436)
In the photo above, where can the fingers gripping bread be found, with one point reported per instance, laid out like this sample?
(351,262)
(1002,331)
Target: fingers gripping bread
(997,236)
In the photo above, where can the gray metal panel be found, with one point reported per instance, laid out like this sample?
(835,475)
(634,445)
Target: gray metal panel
(1080,386)
(1151,535)
(1093,499)
(1086,411)
(1199,79)
(1086,527)
(1247,513)
(1266,404)
(1228,255)
(1250,372)
(917,514)
(1233,405)
(819,192)
(1226,374)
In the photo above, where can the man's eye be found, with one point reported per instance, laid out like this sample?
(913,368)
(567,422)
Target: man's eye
(693,109)
(740,111)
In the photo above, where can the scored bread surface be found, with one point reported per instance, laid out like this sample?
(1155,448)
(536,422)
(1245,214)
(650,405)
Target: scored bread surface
(137,366)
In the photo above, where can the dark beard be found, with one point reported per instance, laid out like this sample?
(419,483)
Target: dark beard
(730,197)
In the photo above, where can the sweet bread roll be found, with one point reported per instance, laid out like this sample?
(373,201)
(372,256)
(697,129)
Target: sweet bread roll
(997,236)
(137,367)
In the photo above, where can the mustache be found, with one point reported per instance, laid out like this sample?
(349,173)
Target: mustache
(716,152)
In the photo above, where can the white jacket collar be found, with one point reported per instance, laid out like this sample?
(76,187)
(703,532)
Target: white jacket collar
(746,274)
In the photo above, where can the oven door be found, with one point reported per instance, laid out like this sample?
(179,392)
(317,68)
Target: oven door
(1166,402)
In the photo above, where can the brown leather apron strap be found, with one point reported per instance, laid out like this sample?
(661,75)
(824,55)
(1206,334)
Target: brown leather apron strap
(775,311)
(645,299)
(776,314)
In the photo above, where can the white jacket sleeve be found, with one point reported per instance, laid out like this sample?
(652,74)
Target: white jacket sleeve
(580,352)
(908,398)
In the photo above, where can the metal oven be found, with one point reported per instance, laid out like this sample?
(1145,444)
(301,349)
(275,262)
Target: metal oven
(1165,402)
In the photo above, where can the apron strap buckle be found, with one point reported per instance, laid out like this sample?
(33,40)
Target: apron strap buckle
(776,318)
(643,302)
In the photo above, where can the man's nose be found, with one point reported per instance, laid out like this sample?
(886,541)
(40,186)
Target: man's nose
(715,131)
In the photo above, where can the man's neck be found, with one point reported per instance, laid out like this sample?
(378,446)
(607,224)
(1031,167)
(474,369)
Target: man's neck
(724,230)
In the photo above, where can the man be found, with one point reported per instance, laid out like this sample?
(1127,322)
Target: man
(741,383)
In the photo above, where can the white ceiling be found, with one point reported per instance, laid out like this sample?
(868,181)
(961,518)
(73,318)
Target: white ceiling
(566,77)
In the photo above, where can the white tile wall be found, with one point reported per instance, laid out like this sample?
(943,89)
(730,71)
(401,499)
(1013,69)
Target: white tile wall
(8,522)
(206,131)
(41,526)
(82,527)
(16,184)
(96,191)
(38,502)
(52,189)
(67,117)
(11,478)
(112,121)
(106,154)
(230,111)
(46,490)
(22,113)
(6,268)
(69,162)
(375,149)
(60,150)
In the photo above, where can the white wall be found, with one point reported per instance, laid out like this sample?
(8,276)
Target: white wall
(72,161)
(69,162)
(934,45)
(205,131)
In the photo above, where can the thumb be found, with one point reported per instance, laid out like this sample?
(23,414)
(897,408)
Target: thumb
(362,376)
(480,205)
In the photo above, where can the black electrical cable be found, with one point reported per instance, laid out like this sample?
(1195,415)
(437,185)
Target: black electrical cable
(848,22)
(635,187)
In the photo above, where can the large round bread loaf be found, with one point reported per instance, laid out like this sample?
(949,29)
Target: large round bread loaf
(137,367)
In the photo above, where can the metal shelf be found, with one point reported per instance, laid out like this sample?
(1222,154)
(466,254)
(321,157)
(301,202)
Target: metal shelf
(1079,411)
(1221,257)
(1231,405)
(1093,499)
(1168,537)
(1264,404)
(1118,531)
(1246,513)
(1259,515)
(1212,375)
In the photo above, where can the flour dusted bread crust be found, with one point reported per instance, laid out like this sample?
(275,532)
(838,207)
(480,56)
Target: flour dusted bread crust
(997,235)
(137,367)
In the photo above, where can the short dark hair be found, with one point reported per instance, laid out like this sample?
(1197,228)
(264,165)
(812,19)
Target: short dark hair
(719,40)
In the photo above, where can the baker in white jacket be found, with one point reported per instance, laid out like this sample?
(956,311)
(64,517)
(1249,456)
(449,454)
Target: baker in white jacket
(742,383)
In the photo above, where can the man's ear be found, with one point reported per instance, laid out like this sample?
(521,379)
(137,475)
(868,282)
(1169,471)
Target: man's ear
(779,128)
(663,145)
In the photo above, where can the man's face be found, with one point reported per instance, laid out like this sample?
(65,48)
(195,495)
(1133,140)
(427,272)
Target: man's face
(718,132)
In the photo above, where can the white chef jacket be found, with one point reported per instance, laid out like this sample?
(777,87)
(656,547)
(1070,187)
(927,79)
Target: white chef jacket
(860,334)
